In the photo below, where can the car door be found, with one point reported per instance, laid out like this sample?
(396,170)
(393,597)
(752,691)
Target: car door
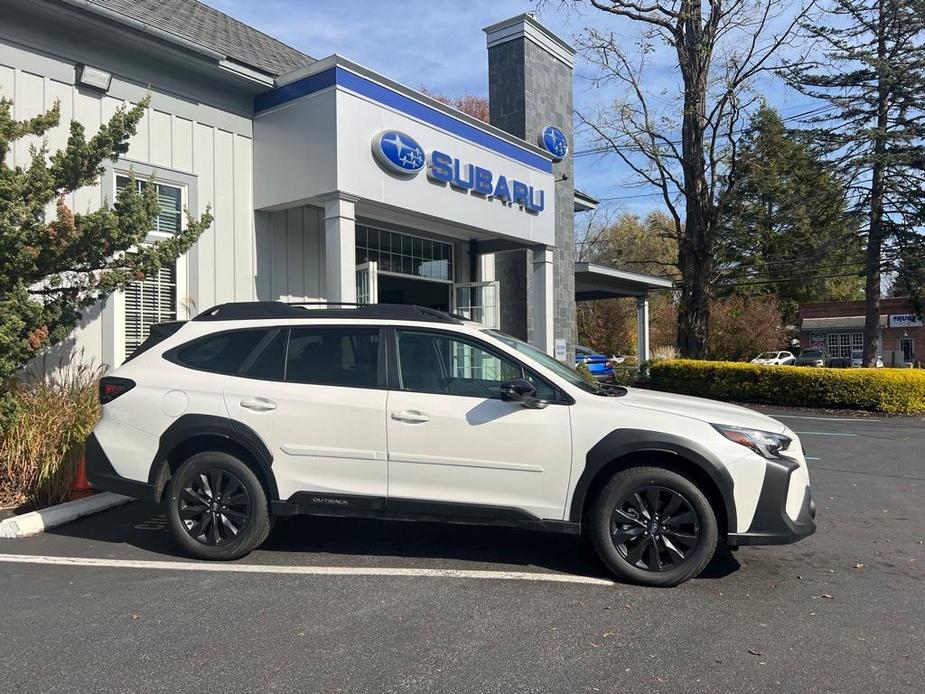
(452,440)
(322,412)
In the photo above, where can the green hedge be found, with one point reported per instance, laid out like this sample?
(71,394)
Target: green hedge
(879,390)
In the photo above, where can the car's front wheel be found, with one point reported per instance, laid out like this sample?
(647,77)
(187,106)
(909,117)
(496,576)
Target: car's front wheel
(653,526)
(216,507)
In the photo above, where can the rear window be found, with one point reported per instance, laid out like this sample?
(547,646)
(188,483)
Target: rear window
(341,356)
(222,353)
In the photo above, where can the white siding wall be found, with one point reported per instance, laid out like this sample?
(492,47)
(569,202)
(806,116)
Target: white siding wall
(290,250)
(222,266)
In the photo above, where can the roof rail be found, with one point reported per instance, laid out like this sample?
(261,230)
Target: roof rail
(257,310)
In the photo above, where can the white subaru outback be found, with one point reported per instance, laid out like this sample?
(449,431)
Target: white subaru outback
(255,410)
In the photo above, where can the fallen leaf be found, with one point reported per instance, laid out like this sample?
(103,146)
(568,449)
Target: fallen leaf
(827,596)
(858,566)
(754,652)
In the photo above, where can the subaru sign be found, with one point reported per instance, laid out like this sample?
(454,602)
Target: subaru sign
(398,152)
(554,141)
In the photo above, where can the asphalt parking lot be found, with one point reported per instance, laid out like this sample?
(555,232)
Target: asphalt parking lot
(333,605)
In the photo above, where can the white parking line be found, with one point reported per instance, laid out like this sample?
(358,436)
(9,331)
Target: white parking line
(823,433)
(302,570)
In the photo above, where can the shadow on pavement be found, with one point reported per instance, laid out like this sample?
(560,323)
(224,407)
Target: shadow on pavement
(331,540)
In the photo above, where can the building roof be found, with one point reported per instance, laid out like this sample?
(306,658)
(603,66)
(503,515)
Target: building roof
(204,26)
(593,281)
(838,323)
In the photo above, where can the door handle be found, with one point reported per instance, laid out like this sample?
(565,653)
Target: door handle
(410,416)
(258,404)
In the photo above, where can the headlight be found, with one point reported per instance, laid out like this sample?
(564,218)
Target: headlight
(767,444)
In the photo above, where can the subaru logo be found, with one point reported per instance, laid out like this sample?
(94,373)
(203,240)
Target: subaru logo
(398,152)
(554,141)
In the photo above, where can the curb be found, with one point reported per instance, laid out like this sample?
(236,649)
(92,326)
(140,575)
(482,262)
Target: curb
(37,521)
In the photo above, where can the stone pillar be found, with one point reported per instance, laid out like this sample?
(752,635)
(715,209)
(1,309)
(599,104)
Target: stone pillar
(340,249)
(642,330)
(530,88)
(543,304)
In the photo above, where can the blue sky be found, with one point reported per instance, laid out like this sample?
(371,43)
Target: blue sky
(449,57)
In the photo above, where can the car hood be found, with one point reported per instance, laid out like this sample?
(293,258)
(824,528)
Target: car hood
(710,411)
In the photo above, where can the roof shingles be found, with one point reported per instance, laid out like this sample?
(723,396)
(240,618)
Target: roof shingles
(206,26)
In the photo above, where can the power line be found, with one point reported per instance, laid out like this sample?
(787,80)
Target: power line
(798,116)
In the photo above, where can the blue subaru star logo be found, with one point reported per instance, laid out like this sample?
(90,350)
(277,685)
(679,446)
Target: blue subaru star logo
(555,142)
(398,152)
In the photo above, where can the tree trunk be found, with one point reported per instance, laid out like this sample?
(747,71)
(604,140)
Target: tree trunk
(875,232)
(695,252)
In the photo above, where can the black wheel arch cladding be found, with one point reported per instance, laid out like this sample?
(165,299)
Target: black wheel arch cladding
(621,443)
(189,427)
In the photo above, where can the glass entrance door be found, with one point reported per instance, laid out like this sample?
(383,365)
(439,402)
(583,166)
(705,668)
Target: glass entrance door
(479,302)
(367,277)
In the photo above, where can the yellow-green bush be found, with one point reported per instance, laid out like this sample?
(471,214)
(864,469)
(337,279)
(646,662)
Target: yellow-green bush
(878,390)
(40,449)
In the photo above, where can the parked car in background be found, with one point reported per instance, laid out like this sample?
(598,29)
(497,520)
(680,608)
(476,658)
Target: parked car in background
(857,359)
(774,358)
(812,357)
(600,365)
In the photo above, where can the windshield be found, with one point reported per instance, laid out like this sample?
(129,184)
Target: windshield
(768,355)
(811,353)
(557,367)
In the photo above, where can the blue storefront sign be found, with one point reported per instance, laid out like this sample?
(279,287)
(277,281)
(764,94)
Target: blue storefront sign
(400,153)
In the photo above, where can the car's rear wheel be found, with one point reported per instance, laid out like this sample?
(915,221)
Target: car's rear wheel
(653,526)
(217,508)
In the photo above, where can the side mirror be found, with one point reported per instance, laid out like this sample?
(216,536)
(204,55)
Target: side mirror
(522,391)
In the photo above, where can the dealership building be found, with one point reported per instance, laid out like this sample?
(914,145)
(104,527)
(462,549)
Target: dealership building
(838,327)
(327,181)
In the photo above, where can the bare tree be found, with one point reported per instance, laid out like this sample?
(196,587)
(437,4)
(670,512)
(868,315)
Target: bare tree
(719,48)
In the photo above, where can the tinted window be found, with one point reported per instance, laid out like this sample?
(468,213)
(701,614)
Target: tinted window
(223,353)
(268,365)
(344,356)
(441,363)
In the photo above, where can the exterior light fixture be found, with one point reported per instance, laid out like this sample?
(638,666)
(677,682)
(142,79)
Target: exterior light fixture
(93,77)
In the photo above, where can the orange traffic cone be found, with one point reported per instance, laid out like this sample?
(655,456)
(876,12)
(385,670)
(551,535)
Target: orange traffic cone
(81,486)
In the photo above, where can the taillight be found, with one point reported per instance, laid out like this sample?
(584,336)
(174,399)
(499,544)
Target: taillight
(112,387)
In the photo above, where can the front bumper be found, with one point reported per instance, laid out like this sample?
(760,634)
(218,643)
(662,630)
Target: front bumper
(771,525)
(103,476)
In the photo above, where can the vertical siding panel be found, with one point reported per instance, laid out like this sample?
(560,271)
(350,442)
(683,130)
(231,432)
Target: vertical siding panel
(243,219)
(87,112)
(263,258)
(160,145)
(138,145)
(8,91)
(182,143)
(280,267)
(294,238)
(63,93)
(308,250)
(202,275)
(30,102)
(224,264)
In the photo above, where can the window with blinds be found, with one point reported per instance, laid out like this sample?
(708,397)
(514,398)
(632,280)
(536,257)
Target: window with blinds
(153,299)
(170,199)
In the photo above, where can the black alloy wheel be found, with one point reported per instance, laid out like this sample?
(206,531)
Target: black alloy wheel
(654,528)
(214,507)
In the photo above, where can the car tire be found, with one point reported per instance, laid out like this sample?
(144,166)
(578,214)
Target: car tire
(653,526)
(222,524)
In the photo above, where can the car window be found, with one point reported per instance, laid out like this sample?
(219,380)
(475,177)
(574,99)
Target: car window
(445,364)
(270,363)
(811,353)
(222,353)
(336,356)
